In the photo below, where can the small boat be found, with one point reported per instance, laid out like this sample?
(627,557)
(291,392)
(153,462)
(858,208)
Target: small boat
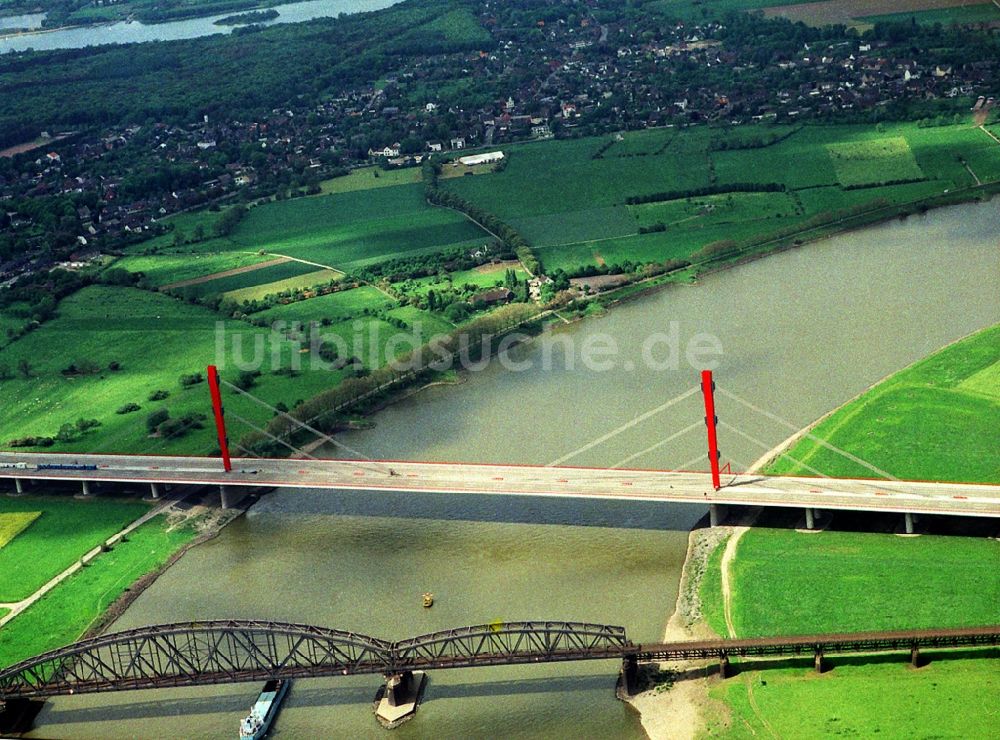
(256,724)
(428,600)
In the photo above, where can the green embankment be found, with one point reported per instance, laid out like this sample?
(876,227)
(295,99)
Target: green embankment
(785,582)
(936,420)
(65,613)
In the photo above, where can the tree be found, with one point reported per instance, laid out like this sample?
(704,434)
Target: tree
(156,418)
(67,433)
(24,368)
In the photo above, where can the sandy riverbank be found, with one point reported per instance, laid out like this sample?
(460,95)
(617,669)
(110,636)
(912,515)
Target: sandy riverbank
(679,712)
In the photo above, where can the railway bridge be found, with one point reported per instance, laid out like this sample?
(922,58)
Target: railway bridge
(234,651)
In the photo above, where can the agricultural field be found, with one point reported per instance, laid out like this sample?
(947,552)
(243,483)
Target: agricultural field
(343,304)
(585,220)
(874,162)
(298,282)
(935,420)
(14,522)
(859,13)
(163,270)
(368,178)
(879,699)
(342,231)
(231,283)
(984,12)
(8,322)
(718,209)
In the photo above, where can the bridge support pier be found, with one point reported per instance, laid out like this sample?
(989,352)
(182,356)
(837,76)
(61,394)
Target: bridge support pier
(18,487)
(630,674)
(818,661)
(154,491)
(915,660)
(399,698)
(716,514)
(810,518)
(224,500)
(85,491)
(725,671)
(909,519)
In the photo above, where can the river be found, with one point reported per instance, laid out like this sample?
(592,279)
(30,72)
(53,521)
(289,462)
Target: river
(801,332)
(131,32)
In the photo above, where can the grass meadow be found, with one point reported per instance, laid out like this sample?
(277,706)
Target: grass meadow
(935,420)
(59,531)
(66,612)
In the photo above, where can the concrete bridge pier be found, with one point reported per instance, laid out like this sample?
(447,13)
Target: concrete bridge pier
(400,697)
(915,660)
(224,498)
(818,661)
(85,490)
(909,520)
(810,518)
(724,669)
(18,487)
(154,491)
(716,514)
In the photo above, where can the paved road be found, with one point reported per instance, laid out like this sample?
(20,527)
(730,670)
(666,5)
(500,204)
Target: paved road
(640,485)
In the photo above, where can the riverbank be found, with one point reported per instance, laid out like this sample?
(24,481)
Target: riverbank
(925,582)
(678,710)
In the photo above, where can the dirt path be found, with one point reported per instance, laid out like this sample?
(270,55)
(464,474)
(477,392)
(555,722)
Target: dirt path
(226,273)
(727,587)
(989,133)
(748,681)
(18,607)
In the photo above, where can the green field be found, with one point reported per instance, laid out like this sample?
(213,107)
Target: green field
(12,523)
(337,306)
(468,281)
(250,280)
(64,531)
(869,582)
(582,218)
(164,269)
(936,420)
(982,13)
(156,339)
(946,699)
(62,615)
(298,282)
(874,162)
(367,178)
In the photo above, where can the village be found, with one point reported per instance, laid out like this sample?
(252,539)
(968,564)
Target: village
(584,79)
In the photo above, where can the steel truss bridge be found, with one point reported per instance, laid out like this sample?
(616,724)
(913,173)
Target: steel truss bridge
(233,651)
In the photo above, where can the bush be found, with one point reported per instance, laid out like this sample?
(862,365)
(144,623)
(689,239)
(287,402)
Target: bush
(158,395)
(247,379)
(128,408)
(32,442)
(155,419)
(193,379)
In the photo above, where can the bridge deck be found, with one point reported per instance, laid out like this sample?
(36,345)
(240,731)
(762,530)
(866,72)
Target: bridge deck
(639,485)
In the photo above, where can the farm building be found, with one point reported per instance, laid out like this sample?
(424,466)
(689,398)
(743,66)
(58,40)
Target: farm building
(493,297)
(486,158)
